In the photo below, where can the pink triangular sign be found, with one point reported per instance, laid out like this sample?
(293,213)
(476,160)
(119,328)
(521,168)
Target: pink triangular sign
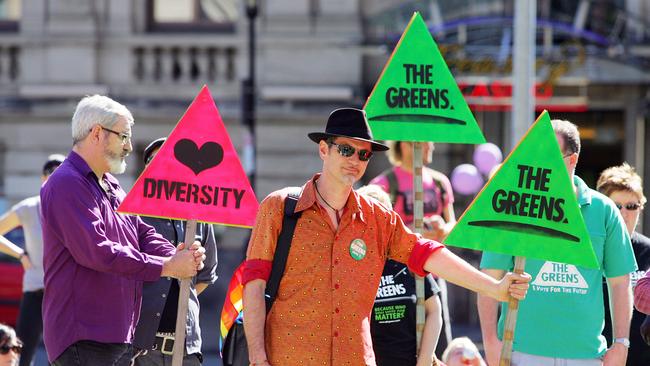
(196,175)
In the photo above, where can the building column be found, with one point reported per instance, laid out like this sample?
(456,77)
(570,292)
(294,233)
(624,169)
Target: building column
(634,144)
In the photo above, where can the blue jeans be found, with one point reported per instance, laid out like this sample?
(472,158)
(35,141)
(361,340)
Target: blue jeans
(30,324)
(91,353)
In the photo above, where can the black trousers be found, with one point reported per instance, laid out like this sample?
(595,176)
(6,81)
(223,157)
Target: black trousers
(91,353)
(30,324)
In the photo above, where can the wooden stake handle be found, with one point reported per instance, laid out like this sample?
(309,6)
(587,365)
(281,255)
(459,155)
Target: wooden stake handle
(511,320)
(183,301)
(418,226)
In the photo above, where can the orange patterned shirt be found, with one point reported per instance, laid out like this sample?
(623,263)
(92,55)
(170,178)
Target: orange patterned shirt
(322,309)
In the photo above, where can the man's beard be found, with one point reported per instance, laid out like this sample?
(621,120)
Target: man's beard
(349,179)
(116,162)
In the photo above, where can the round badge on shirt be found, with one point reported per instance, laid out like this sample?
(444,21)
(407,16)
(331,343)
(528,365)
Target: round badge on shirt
(358,249)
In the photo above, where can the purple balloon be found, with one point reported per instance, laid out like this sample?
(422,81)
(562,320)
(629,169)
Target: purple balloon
(486,157)
(466,179)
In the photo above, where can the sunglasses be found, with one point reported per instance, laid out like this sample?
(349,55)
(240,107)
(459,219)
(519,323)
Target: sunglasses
(630,206)
(5,348)
(347,151)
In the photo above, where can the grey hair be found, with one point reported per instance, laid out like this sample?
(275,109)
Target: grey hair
(8,335)
(569,133)
(96,109)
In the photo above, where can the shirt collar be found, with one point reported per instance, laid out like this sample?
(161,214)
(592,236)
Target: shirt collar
(79,163)
(308,199)
(82,167)
(584,193)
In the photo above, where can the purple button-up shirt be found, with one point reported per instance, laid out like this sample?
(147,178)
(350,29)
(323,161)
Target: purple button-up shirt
(95,259)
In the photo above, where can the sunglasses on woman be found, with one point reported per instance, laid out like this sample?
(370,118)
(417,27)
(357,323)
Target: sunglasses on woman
(347,151)
(630,206)
(5,348)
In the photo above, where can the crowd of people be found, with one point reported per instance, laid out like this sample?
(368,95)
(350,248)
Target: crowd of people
(106,284)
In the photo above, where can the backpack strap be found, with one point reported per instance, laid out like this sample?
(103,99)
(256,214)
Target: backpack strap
(441,189)
(281,255)
(393,187)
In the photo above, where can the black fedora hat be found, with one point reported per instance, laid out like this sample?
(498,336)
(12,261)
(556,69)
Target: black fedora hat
(348,122)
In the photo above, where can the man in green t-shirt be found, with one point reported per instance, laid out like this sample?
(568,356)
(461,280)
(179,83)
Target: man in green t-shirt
(561,319)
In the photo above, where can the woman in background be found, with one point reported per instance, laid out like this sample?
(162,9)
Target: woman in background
(10,346)
(624,186)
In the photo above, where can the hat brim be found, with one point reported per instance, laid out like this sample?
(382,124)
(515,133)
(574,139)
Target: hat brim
(155,144)
(318,136)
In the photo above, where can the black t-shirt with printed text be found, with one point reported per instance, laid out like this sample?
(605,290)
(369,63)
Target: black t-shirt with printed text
(393,316)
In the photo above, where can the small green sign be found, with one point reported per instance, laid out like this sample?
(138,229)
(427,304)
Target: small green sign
(416,97)
(529,208)
(358,249)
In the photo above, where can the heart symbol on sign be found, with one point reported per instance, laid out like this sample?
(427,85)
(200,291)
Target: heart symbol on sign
(188,153)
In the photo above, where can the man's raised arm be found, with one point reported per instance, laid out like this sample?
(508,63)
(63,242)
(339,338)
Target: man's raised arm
(454,269)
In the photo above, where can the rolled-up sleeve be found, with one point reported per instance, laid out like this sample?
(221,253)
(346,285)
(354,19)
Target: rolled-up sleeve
(256,269)
(408,247)
(263,241)
(422,250)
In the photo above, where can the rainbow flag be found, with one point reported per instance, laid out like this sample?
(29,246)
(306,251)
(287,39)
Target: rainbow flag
(233,305)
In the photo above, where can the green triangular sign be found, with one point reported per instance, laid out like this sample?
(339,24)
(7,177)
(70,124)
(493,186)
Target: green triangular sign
(416,97)
(529,207)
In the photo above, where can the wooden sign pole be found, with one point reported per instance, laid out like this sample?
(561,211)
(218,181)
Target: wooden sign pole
(418,226)
(183,301)
(511,319)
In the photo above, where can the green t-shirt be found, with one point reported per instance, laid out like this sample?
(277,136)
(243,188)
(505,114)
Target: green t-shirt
(563,313)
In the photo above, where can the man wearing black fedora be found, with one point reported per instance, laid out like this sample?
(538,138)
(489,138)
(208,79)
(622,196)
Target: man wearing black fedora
(320,315)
